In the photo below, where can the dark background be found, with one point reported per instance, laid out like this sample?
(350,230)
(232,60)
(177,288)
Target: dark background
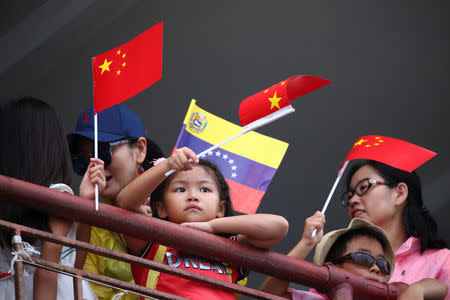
(388,62)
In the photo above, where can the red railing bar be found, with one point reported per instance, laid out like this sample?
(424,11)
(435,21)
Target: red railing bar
(99,278)
(27,231)
(188,239)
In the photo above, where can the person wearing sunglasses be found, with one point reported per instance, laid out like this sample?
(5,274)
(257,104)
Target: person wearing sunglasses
(392,199)
(124,152)
(361,248)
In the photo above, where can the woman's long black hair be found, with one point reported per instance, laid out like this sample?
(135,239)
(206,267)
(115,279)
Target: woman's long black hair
(416,217)
(34,149)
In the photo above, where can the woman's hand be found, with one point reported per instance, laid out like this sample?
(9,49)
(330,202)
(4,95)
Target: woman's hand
(182,159)
(95,174)
(316,221)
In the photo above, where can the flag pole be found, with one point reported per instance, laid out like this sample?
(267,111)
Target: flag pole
(249,127)
(325,206)
(96,156)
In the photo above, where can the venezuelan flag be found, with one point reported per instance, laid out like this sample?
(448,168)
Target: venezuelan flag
(248,162)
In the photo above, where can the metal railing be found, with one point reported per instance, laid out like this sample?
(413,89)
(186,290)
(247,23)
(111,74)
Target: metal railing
(335,282)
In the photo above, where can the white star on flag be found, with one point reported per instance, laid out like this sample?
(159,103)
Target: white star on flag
(233,175)
(218,153)
(233,168)
(225,156)
(231,161)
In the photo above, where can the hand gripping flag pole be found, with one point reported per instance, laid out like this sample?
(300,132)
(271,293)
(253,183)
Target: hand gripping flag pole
(125,71)
(393,152)
(248,163)
(271,104)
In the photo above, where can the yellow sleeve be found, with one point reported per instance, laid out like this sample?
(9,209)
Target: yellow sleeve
(98,264)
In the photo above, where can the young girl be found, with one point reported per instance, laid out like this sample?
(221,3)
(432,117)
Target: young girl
(195,196)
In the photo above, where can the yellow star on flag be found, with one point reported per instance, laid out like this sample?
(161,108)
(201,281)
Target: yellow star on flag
(105,66)
(358,143)
(274,101)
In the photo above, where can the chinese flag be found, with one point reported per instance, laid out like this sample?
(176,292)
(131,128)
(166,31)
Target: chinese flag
(128,69)
(396,153)
(277,96)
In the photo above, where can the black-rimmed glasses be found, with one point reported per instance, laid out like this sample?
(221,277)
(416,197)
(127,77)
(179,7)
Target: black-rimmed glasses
(360,189)
(80,162)
(366,260)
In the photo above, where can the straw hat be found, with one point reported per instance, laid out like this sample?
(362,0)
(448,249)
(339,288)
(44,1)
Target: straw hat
(330,238)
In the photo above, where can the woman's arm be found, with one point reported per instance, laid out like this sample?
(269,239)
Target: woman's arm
(426,289)
(45,282)
(301,250)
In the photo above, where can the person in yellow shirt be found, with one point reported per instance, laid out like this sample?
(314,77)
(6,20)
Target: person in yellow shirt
(124,153)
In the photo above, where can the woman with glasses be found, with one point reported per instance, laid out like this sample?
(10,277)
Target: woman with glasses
(392,199)
(124,152)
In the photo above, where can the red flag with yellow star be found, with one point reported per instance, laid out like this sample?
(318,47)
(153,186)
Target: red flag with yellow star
(128,69)
(277,96)
(394,152)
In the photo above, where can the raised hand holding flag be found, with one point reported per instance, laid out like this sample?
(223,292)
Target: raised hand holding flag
(124,71)
(393,152)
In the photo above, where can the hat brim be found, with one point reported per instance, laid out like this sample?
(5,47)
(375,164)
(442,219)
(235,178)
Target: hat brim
(103,137)
(330,238)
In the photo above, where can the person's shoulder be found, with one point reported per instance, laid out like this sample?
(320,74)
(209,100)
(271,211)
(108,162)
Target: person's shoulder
(100,235)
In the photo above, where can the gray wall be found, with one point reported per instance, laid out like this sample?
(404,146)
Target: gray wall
(388,61)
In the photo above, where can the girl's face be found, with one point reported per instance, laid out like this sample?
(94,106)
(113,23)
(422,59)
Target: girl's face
(377,204)
(369,245)
(191,196)
(125,162)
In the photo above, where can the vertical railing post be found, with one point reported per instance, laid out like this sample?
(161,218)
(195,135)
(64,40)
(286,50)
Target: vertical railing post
(77,288)
(342,291)
(18,266)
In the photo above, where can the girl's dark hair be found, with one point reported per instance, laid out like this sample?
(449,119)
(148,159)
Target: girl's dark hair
(158,193)
(34,149)
(416,217)
(340,245)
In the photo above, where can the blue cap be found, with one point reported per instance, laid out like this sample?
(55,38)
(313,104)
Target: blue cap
(114,123)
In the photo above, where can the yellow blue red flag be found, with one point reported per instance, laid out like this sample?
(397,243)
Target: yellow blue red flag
(248,162)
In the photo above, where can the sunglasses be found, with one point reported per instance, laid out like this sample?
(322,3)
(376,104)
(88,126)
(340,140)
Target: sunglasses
(366,260)
(80,162)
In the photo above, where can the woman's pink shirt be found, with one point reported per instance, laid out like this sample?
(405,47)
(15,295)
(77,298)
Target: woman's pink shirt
(412,266)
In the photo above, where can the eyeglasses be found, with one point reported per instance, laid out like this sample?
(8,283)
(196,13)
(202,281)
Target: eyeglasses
(360,189)
(366,260)
(80,162)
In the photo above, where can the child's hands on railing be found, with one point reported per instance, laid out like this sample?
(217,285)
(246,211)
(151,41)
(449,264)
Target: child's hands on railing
(95,174)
